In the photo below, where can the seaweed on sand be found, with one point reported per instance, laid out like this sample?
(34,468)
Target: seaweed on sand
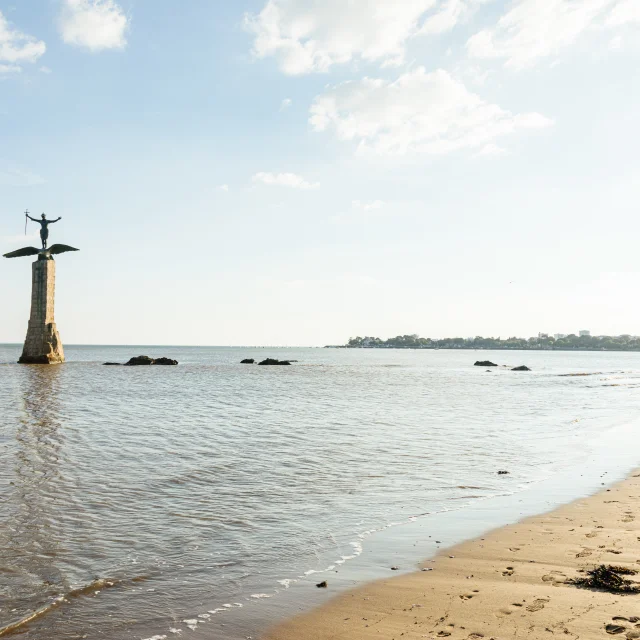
(608,578)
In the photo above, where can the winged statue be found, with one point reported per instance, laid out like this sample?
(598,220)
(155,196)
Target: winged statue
(46,252)
(43,254)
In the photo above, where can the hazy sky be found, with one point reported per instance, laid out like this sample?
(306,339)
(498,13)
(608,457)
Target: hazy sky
(295,172)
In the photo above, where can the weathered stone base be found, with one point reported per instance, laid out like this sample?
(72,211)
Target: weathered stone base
(43,345)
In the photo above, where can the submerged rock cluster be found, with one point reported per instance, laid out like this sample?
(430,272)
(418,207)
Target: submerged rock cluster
(144,360)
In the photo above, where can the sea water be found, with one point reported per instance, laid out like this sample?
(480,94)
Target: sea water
(207,500)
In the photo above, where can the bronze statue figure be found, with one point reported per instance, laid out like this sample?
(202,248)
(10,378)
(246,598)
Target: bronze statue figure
(46,252)
(44,227)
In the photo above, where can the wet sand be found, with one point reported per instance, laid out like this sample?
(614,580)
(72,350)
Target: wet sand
(508,584)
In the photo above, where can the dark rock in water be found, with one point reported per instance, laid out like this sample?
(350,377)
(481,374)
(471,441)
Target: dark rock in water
(111,364)
(394,568)
(139,360)
(522,368)
(273,361)
(248,361)
(322,585)
(485,363)
(165,361)
(146,360)
(502,473)
(488,371)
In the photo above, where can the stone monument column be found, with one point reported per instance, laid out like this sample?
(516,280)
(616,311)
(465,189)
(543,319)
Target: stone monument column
(43,344)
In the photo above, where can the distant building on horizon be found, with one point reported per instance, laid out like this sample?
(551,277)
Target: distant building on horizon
(559,336)
(584,333)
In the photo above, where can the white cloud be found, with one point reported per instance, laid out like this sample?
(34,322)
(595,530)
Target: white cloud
(9,68)
(533,30)
(284,180)
(367,206)
(44,69)
(419,112)
(94,24)
(223,187)
(313,35)
(286,103)
(615,43)
(18,177)
(625,12)
(492,149)
(17,48)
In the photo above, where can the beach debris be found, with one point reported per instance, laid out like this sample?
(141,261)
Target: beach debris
(485,363)
(146,360)
(322,585)
(502,472)
(521,368)
(608,578)
(614,629)
(426,569)
(248,361)
(273,361)
(395,568)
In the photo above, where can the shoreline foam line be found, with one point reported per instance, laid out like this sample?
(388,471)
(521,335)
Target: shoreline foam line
(92,587)
(511,582)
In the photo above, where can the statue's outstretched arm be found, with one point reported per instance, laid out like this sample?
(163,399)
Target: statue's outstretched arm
(52,221)
(34,219)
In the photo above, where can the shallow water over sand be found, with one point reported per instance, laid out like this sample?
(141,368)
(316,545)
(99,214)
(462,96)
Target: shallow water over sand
(213,491)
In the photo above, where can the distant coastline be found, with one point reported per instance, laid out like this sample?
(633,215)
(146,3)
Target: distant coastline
(544,342)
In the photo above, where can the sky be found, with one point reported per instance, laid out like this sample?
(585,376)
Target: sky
(297,172)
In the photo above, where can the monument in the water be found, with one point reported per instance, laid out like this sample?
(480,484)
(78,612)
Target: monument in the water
(42,345)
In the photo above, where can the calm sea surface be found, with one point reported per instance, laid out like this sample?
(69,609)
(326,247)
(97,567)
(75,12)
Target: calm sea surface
(205,500)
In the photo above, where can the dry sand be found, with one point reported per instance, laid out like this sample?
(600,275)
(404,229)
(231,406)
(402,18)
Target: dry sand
(508,584)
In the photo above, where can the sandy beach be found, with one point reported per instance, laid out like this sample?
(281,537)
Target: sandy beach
(511,583)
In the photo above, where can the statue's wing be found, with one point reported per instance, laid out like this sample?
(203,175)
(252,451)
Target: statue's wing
(61,248)
(20,253)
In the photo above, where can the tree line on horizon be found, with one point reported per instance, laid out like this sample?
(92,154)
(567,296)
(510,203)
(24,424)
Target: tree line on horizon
(571,341)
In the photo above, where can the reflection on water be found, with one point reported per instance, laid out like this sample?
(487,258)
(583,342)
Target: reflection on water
(30,573)
(191,490)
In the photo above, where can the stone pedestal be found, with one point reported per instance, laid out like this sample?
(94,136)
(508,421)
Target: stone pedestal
(42,345)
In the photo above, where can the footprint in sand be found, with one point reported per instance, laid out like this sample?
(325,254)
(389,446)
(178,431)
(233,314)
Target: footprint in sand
(583,554)
(508,571)
(514,549)
(466,596)
(537,605)
(593,534)
(557,577)
(507,611)
(475,636)
(628,517)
